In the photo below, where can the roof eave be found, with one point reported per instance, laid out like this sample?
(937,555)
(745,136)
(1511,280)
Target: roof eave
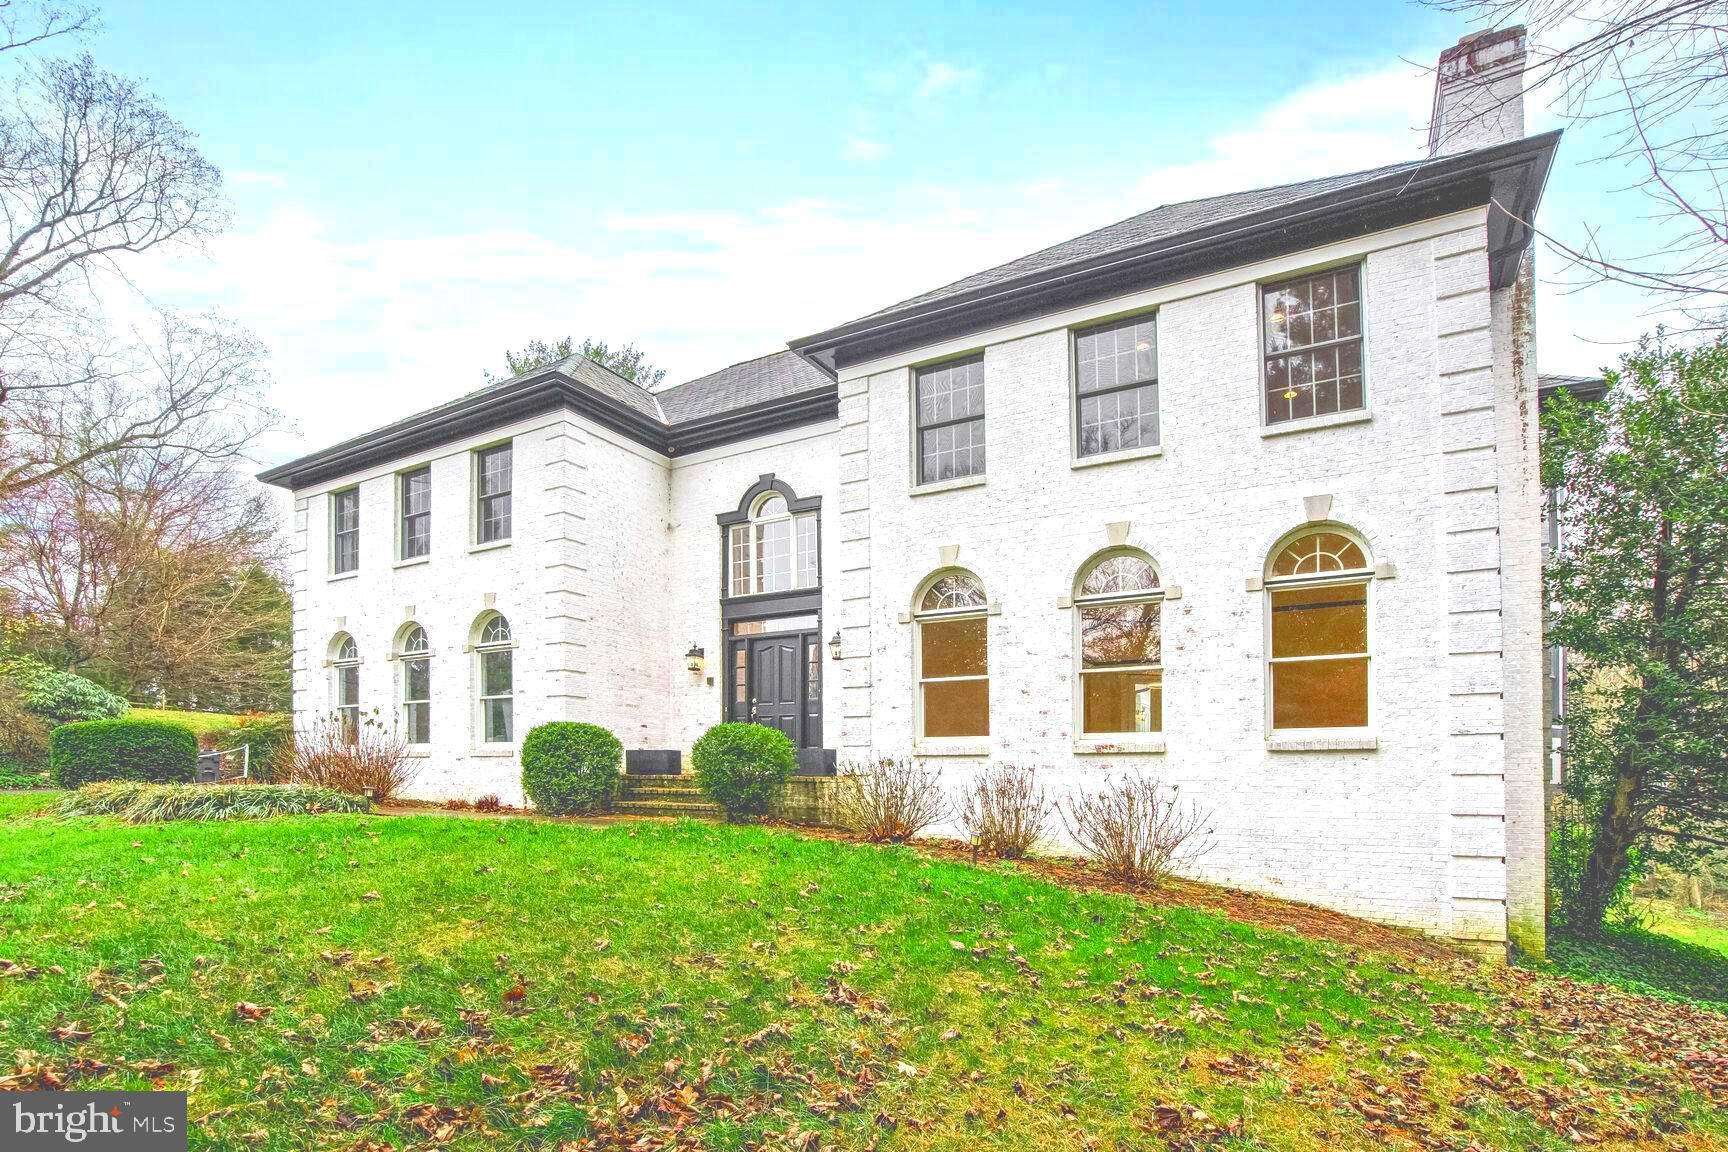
(1509,176)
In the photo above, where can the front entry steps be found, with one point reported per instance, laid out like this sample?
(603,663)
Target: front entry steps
(665,796)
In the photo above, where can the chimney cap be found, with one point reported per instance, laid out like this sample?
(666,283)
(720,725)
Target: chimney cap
(1474,44)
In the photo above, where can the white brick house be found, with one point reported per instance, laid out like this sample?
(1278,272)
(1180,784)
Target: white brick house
(1241,493)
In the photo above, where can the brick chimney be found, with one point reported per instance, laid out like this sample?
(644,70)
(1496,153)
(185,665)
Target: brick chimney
(1479,92)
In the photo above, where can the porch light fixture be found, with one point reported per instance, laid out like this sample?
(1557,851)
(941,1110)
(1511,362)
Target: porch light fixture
(834,645)
(693,660)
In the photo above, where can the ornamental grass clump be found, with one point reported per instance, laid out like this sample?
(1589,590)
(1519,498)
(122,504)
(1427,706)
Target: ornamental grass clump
(138,803)
(365,759)
(890,800)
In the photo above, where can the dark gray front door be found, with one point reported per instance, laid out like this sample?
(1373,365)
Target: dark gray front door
(776,680)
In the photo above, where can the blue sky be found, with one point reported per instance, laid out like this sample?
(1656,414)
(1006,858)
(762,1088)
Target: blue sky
(417,186)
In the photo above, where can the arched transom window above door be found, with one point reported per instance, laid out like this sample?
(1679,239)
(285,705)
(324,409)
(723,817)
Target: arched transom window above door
(772,542)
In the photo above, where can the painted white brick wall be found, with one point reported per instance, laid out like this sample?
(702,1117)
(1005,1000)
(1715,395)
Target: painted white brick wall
(1408,833)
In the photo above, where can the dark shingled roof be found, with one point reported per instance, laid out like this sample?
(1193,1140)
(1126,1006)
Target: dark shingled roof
(1583,387)
(1163,221)
(770,377)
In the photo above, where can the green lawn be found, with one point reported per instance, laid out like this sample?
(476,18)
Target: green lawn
(1688,925)
(353,982)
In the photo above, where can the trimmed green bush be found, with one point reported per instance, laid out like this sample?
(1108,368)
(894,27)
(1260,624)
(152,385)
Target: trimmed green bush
(138,803)
(121,749)
(65,697)
(743,767)
(570,769)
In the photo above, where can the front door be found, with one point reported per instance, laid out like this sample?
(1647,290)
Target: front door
(775,682)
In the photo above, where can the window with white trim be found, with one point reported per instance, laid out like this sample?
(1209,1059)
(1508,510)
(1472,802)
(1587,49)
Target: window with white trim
(492,487)
(1313,345)
(345,530)
(1119,614)
(494,654)
(1318,657)
(345,684)
(950,418)
(776,551)
(414,498)
(416,657)
(953,654)
(1116,386)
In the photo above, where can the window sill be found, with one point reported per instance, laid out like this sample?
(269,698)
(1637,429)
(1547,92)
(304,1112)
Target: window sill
(489,546)
(418,751)
(412,561)
(334,576)
(1330,420)
(1116,457)
(495,750)
(941,747)
(1122,745)
(1320,741)
(947,485)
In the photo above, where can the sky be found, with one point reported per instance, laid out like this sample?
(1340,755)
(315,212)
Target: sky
(414,188)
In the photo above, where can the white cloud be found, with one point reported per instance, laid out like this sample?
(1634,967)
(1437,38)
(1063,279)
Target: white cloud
(366,331)
(863,149)
(940,76)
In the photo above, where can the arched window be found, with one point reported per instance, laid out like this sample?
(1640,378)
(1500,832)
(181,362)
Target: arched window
(1317,599)
(775,551)
(345,683)
(1118,607)
(495,676)
(416,654)
(953,657)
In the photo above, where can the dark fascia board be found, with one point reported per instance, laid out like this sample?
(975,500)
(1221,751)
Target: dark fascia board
(1508,177)
(546,392)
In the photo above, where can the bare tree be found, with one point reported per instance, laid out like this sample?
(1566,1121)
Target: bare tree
(24,25)
(194,385)
(1652,77)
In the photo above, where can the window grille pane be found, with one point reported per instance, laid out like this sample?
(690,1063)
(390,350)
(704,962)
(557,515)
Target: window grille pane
(1114,702)
(495,471)
(953,590)
(1117,574)
(347,687)
(1121,634)
(1319,621)
(494,518)
(495,673)
(498,718)
(957,708)
(1320,693)
(1317,554)
(416,680)
(774,556)
(417,719)
(807,562)
(954,647)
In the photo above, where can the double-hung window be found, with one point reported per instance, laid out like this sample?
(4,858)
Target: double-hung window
(950,418)
(1120,609)
(497,687)
(1116,386)
(416,656)
(1313,345)
(1317,595)
(415,499)
(492,494)
(345,530)
(953,658)
(346,666)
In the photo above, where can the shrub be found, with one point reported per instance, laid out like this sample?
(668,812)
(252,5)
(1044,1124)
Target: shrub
(743,767)
(489,803)
(370,760)
(269,735)
(23,734)
(12,780)
(1137,830)
(137,803)
(65,697)
(1004,811)
(892,799)
(570,769)
(126,748)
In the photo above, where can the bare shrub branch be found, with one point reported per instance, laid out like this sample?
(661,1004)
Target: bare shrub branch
(368,760)
(890,800)
(24,24)
(1004,810)
(1139,831)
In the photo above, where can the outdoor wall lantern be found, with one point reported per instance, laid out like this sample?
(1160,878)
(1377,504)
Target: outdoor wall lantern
(834,644)
(693,660)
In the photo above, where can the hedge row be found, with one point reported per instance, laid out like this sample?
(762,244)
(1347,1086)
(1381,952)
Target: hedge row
(125,748)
